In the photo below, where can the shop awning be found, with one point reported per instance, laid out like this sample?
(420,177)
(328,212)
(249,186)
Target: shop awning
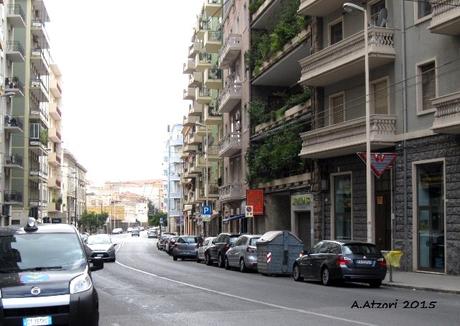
(233,217)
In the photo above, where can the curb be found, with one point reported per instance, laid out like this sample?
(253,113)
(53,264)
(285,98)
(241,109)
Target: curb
(420,288)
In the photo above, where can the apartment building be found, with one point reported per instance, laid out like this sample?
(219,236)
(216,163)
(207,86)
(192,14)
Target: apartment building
(54,147)
(73,188)
(26,92)
(172,169)
(202,124)
(414,96)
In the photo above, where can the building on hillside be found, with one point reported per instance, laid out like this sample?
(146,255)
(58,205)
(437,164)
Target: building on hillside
(150,189)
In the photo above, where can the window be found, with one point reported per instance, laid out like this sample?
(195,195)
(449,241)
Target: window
(379,96)
(335,32)
(337,108)
(379,14)
(423,8)
(426,85)
(430,216)
(342,206)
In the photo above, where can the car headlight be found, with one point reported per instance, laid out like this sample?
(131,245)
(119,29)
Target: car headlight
(80,284)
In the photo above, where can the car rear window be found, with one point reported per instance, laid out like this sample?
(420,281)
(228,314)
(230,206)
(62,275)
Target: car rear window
(253,241)
(359,249)
(190,239)
(233,239)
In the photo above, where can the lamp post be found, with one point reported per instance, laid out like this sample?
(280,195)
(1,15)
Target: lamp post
(206,179)
(347,6)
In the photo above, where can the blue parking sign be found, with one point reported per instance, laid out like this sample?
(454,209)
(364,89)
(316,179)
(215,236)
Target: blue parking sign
(207,210)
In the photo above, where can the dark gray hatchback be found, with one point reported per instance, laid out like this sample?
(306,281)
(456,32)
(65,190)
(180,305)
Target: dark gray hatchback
(45,277)
(330,261)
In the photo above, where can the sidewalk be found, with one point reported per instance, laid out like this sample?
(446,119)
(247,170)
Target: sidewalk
(424,281)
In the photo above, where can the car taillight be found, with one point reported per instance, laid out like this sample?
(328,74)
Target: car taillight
(343,261)
(251,250)
(382,262)
(226,246)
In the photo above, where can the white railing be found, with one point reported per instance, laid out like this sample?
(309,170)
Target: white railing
(447,111)
(232,140)
(231,191)
(233,42)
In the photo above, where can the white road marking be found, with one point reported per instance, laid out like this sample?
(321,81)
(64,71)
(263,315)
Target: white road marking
(302,311)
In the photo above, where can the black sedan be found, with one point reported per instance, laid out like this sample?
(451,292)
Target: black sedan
(331,261)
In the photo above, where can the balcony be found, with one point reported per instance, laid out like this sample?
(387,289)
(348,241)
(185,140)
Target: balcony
(196,47)
(40,59)
(200,130)
(203,95)
(14,161)
(16,16)
(230,95)
(230,145)
(39,145)
(211,115)
(446,17)
(189,93)
(54,159)
(195,79)
(55,182)
(231,50)
(291,182)
(348,137)
(213,8)
(14,51)
(39,31)
(212,41)
(14,86)
(55,112)
(191,121)
(39,114)
(13,197)
(54,207)
(55,88)
(195,139)
(447,116)
(37,174)
(200,161)
(195,109)
(55,136)
(189,66)
(213,78)
(231,192)
(39,90)
(213,153)
(319,8)
(203,61)
(188,148)
(13,124)
(345,59)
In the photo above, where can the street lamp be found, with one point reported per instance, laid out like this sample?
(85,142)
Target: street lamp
(348,7)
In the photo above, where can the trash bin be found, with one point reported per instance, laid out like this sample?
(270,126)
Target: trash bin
(277,252)
(393,257)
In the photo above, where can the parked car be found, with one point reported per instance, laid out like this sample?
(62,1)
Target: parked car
(170,243)
(129,230)
(243,253)
(135,233)
(330,261)
(202,247)
(117,231)
(185,247)
(161,244)
(152,233)
(101,247)
(220,245)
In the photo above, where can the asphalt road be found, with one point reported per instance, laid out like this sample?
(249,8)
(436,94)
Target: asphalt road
(146,287)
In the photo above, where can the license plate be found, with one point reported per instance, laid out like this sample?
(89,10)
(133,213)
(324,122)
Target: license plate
(364,262)
(100,255)
(37,321)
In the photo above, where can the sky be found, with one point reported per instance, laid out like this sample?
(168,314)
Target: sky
(122,80)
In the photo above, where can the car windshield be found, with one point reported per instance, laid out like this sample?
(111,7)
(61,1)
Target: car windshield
(252,241)
(98,239)
(190,239)
(359,249)
(40,252)
(233,239)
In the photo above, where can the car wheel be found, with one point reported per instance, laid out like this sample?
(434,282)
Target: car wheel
(174,258)
(198,260)
(325,276)
(243,268)
(207,259)
(226,264)
(220,261)
(375,284)
(296,273)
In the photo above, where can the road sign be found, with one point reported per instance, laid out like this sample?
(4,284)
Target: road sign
(249,212)
(161,220)
(206,213)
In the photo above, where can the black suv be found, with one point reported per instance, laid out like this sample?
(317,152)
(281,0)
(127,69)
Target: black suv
(45,277)
(220,245)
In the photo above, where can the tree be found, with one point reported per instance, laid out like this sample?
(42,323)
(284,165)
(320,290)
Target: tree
(92,221)
(154,220)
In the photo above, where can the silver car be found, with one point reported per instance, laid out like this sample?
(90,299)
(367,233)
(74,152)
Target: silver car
(101,246)
(243,253)
(202,248)
(185,247)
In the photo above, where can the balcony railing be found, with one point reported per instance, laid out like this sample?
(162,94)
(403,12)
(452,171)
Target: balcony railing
(15,51)
(16,15)
(344,59)
(14,85)
(447,116)
(231,50)
(196,47)
(212,115)
(14,160)
(13,197)
(203,61)
(231,192)
(13,122)
(230,145)
(446,17)
(189,66)
(230,95)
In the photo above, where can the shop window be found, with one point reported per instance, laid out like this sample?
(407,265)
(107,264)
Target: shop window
(342,206)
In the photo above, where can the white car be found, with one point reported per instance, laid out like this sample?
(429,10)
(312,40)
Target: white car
(117,231)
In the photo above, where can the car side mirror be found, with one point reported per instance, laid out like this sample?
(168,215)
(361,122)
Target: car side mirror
(96,264)
(213,241)
(307,252)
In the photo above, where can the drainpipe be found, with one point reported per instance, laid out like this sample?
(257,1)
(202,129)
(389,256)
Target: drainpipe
(404,107)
